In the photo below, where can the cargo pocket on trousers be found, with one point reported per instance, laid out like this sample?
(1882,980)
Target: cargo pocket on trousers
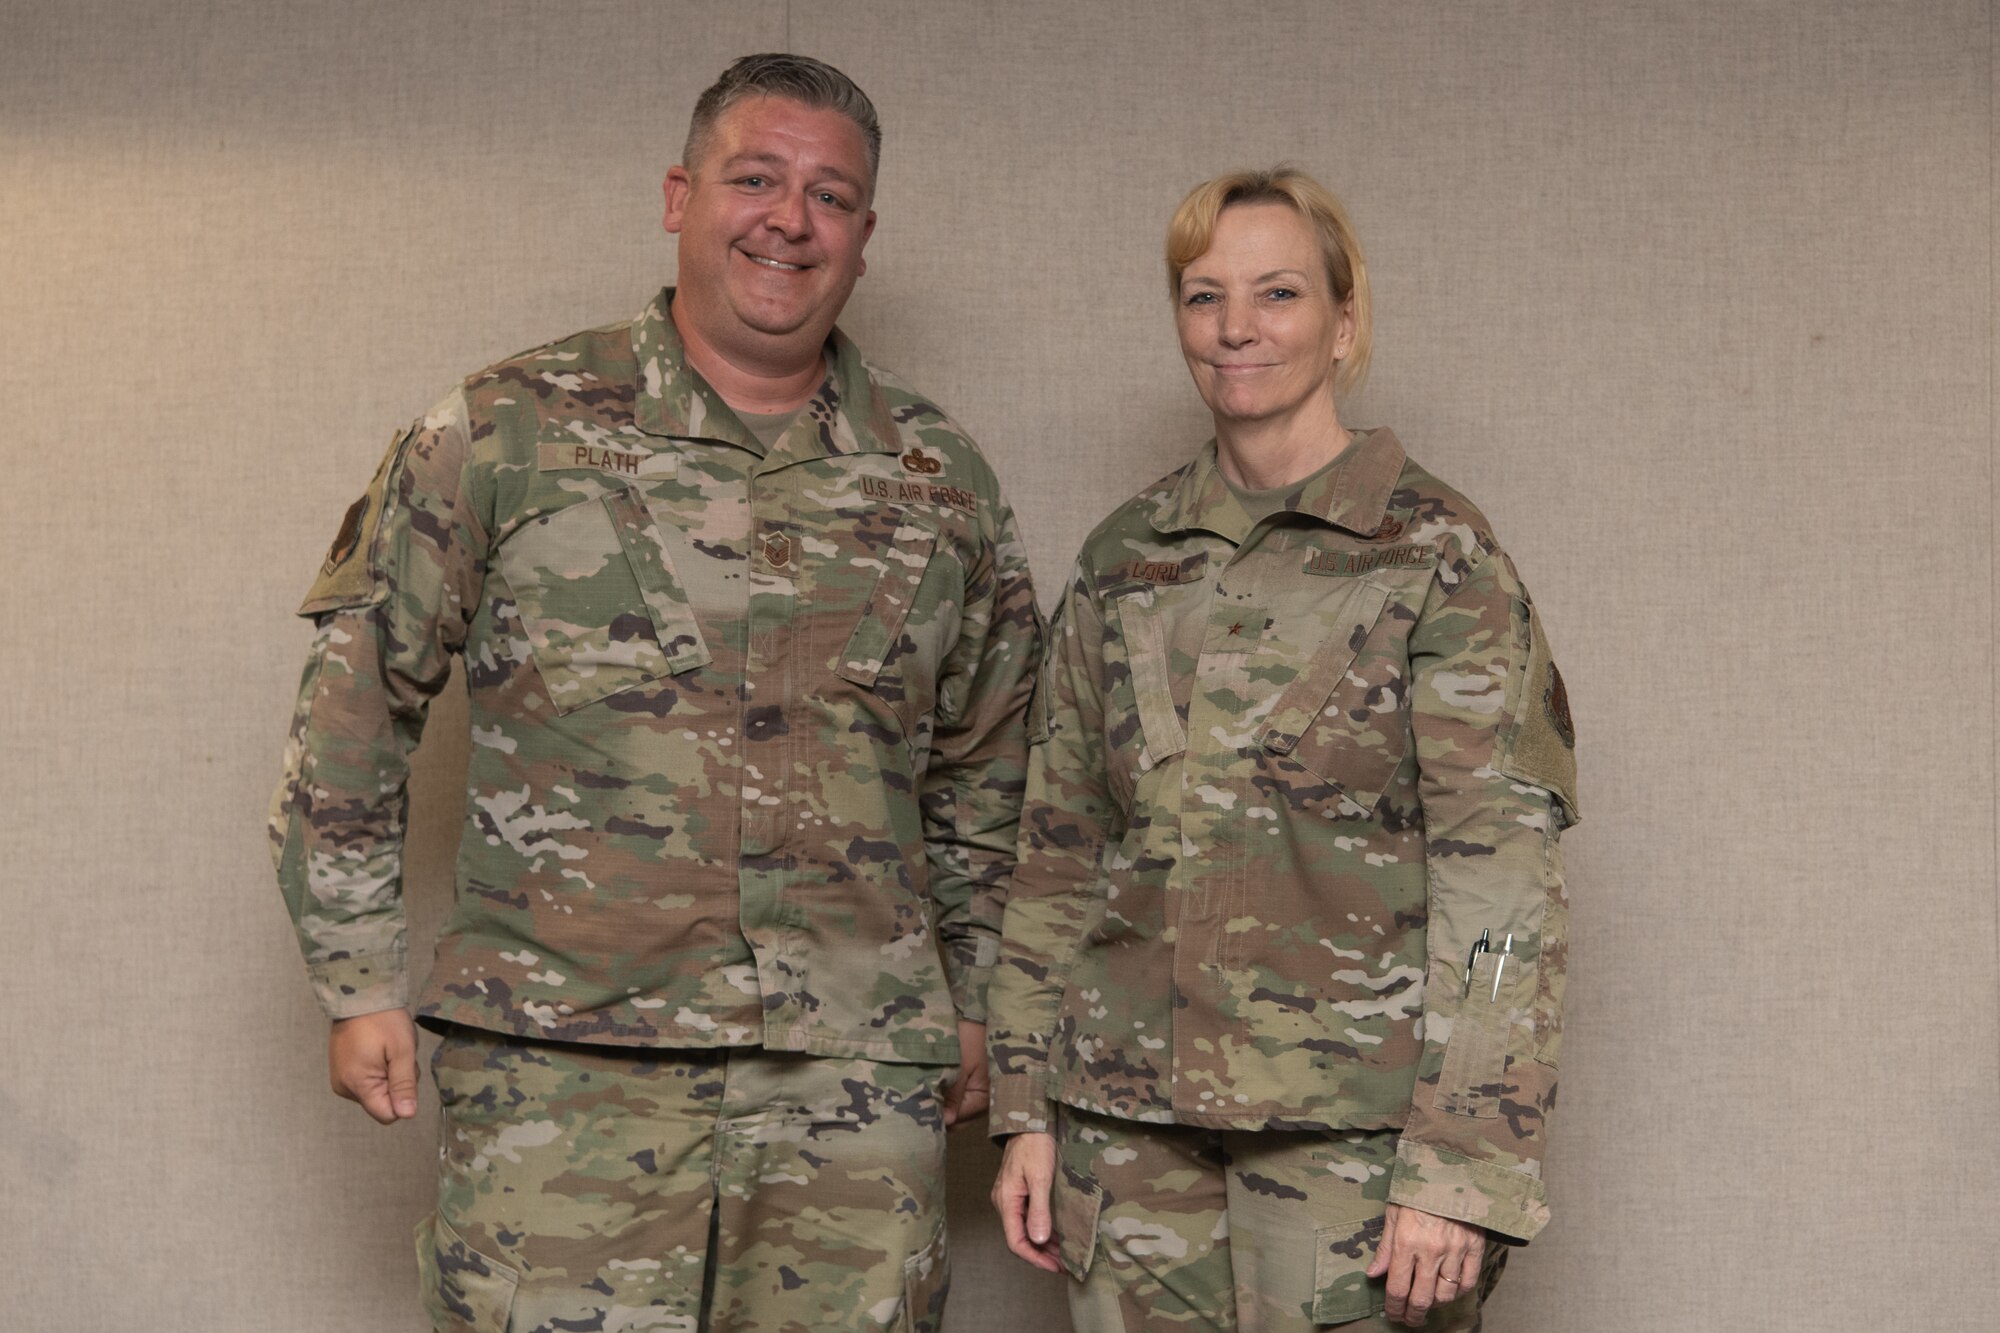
(1074,1203)
(597,594)
(1342,1289)
(463,1290)
(926,1283)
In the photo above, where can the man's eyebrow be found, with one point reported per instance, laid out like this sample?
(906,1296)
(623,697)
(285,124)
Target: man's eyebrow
(749,156)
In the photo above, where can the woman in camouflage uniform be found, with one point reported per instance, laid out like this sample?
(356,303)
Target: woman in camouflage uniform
(1276,1022)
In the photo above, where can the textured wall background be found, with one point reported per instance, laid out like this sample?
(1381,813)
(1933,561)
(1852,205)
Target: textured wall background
(1695,298)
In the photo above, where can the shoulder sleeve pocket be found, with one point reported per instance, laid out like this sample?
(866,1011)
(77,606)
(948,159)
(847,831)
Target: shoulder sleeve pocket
(1542,748)
(350,574)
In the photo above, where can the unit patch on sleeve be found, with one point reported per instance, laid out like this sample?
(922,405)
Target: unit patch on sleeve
(1555,698)
(347,575)
(348,540)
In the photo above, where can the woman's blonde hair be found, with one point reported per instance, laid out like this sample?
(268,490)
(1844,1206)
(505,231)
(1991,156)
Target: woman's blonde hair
(1192,230)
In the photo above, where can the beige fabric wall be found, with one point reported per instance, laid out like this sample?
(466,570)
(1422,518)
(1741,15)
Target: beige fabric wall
(1696,299)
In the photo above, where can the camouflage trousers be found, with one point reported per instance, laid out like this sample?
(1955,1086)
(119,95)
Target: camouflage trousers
(1170,1226)
(607,1189)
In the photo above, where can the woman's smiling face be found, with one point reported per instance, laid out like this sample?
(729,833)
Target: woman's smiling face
(1257,318)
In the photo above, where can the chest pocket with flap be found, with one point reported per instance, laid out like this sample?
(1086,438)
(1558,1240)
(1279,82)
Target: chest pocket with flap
(1345,719)
(890,652)
(599,599)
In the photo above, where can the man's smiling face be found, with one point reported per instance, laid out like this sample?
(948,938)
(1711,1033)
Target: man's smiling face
(772,222)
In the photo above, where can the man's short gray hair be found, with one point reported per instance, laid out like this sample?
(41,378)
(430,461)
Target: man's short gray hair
(802,79)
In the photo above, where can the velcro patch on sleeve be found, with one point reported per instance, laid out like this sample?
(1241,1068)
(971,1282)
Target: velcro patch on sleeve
(1542,750)
(347,575)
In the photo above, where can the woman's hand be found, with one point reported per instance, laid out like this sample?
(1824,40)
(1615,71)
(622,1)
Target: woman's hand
(1429,1260)
(1021,1197)
(968,1093)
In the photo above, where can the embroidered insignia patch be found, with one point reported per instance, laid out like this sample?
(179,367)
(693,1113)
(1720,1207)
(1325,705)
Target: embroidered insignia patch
(599,458)
(1165,572)
(920,492)
(1349,564)
(348,539)
(1556,700)
(1391,529)
(921,463)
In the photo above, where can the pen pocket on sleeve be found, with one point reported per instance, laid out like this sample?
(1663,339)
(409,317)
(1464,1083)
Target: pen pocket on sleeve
(1475,1058)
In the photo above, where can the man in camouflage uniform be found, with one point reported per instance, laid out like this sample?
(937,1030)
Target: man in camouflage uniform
(1289,862)
(748,636)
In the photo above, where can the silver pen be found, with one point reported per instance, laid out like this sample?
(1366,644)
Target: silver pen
(1506,952)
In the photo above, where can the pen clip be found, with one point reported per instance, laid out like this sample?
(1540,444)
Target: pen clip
(1479,946)
(1506,952)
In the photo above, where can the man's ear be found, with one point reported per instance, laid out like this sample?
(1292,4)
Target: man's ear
(676,188)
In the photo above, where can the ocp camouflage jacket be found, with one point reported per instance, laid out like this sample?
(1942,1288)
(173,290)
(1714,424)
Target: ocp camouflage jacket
(1284,776)
(681,828)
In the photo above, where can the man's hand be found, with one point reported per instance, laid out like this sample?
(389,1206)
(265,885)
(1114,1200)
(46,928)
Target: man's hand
(967,1092)
(1429,1260)
(372,1059)
(1021,1197)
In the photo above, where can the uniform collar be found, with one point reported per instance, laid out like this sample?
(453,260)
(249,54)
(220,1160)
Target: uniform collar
(1354,495)
(845,415)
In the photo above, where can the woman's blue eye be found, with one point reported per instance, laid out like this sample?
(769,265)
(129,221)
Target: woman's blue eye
(1201,298)
(1282,293)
